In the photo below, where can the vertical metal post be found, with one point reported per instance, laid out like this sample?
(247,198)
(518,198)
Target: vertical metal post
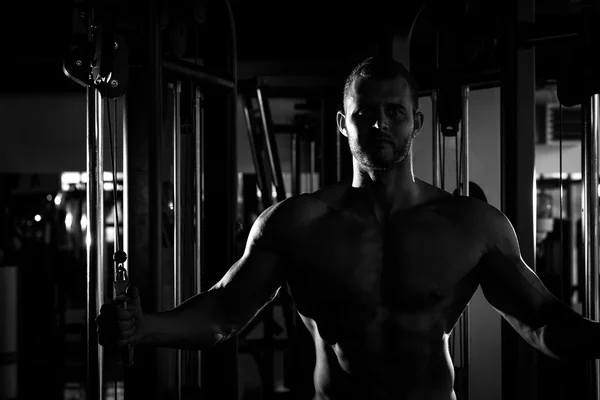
(178,218)
(94,241)
(124,193)
(114,168)
(177,194)
(590,231)
(295,164)
(435,128)
(464,191)
(199,142)
(257,155)
(271,146)
(465,141)
(519,360)
(146,378)
(338,156)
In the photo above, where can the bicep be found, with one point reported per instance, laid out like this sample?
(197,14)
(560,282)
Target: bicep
(250,284)
(508,283)
(254,280)
(513,289)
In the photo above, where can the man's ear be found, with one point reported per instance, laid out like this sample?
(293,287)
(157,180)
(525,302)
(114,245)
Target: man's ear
(341,123)
(417,123)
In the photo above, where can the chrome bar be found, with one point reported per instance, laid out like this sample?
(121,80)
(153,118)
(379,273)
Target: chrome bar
(199,133)
(177,193)
(595,114)
(338,142)
(94,240)
(257,157)
(125,192)
(178,218)
(271,146)
(296,171)
(590,217)
(199,127)
(114,168)
(465,141)
(435,128)
(465,178)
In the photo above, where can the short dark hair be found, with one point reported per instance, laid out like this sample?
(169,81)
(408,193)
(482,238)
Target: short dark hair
(380,67)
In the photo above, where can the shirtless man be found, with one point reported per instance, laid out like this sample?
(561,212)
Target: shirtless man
(379,268)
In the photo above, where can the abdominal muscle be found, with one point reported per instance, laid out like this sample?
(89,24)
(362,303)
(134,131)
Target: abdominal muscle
(418,369)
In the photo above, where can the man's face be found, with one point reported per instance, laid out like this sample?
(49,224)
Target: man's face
(380,122)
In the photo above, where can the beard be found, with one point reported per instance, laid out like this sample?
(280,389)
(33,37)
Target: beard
(380,156)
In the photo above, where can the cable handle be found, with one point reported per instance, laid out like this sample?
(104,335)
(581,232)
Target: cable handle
(120,285)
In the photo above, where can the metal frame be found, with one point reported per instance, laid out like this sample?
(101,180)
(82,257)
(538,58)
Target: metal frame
(95,241)
(589,161)
(463,185)
(519,360)
(143,190)
(435,129)
(124,194)
(199,177)
(270,146)
(178,231)
(256,149)
(463,178)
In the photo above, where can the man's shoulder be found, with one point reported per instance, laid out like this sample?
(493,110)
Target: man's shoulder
(483,219)
(281,222)
(473,210)
(303,207)
(327,197)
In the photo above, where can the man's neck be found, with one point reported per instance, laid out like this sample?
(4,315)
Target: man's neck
(390,190)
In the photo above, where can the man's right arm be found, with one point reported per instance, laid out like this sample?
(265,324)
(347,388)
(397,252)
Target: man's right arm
(223,311)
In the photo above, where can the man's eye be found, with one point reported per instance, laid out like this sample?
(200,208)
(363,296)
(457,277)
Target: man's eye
(395,111)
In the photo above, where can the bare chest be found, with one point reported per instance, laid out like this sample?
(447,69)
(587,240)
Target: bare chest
(413,272)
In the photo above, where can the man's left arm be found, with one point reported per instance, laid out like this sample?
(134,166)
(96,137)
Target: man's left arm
(518,294)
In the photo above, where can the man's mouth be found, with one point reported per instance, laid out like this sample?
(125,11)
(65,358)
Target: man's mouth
(384,139)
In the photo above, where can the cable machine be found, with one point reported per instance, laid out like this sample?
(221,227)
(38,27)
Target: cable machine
(126,59)
(578,85)
(459,129)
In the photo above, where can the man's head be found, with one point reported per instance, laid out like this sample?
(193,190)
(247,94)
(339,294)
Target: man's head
(381,113)
(381,68)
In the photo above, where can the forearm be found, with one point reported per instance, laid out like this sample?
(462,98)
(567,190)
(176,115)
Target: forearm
(191,325)
(571,340)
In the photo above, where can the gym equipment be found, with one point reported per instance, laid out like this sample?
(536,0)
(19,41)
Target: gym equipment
(456,126)
(101,67)
(579,85)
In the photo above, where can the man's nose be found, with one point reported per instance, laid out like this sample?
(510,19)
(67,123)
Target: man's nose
(381,121)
